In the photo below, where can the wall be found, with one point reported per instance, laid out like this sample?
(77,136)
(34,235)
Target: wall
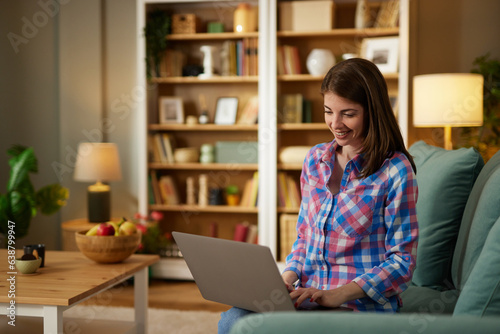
(446,36)
(52,98)
(28,98)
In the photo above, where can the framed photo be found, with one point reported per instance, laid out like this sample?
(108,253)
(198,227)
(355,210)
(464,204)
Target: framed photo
(171,110)
(226,110)
(383,52)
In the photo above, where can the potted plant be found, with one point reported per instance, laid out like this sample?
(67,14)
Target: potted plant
(156,30)
(22,202)
(486,139)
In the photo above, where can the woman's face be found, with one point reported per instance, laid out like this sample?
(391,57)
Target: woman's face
(345,120)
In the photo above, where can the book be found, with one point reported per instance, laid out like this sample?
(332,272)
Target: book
(291,108)
(288,191)
(288,60)
(168,146)
(156,189)
(168,190)
(241,231)
(250,112)
(250,192)
(288,234)
(252,234)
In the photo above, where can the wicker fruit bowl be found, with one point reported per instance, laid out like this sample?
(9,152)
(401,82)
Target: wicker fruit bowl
(107,249)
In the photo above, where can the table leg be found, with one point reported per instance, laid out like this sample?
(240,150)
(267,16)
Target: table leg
(141,300)
(52,320)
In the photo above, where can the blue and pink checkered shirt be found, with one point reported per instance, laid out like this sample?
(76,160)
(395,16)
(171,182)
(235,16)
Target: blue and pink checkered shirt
(366,233)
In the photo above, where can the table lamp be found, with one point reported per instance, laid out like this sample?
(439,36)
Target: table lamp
(98,162)
(448,100)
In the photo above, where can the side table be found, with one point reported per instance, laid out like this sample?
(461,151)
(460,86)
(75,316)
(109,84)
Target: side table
(69,228)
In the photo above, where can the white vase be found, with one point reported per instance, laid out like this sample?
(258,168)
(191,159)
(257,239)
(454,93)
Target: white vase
(319,61)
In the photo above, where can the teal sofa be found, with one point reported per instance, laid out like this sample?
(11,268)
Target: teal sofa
(456,284)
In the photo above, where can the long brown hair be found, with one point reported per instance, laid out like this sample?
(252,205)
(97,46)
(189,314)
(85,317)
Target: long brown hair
(360,81)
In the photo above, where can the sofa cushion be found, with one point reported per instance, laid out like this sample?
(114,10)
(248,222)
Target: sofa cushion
(445,179)
(481,212)
(362,322)
(419,299)
(481,293)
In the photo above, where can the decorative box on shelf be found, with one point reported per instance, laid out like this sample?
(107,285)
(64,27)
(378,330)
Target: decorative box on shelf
(307,15)
(185,24)
(242,152)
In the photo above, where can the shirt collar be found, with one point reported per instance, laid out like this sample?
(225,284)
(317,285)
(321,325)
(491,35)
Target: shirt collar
(328,156)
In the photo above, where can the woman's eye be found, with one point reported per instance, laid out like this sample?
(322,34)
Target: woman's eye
(328,112)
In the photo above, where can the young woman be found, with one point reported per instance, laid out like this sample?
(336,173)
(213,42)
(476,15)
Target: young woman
(357,227)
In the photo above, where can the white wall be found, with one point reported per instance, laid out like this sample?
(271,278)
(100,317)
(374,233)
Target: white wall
(51,97)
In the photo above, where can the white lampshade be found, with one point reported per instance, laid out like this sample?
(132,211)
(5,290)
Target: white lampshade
(449,99)
(97,162)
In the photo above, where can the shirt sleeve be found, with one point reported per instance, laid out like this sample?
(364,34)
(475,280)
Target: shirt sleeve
(394,274)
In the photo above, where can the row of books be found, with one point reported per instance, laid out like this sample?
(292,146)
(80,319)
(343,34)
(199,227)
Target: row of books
(250,194)
(288,60)
(288,191)
(240,57)
(162,190)
(288,234)
(295,109)
(246,232)
(161,147)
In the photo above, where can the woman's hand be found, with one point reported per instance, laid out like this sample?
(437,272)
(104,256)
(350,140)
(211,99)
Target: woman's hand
(289,277)
(328,298)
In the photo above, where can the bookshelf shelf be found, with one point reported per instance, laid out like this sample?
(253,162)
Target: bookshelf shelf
(202,127)
(302,126)
(291,167)
(346,32)
(205,209)
(213,80)
(308,77)
(211,36)
(288,210)
(200,166)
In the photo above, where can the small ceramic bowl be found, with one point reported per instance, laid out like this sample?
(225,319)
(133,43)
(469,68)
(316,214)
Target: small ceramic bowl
(28,266)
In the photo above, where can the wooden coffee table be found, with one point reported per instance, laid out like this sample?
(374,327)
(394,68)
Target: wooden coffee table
(67,279)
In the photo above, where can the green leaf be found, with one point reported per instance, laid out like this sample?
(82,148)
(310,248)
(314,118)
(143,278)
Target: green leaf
(21,212)
(21,164)
(51,198)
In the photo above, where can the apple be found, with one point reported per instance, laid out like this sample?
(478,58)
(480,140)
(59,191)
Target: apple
(105,229)
(127,228)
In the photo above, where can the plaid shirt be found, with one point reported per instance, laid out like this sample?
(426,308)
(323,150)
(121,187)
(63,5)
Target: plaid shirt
(367,233)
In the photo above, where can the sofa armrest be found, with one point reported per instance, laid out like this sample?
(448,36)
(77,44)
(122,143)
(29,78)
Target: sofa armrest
(344,323)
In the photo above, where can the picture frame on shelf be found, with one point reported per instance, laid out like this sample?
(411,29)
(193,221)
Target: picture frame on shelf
(383,52)
(171,110)
(226,110)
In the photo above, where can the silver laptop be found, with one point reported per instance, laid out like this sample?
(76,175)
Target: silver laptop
(236,273)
